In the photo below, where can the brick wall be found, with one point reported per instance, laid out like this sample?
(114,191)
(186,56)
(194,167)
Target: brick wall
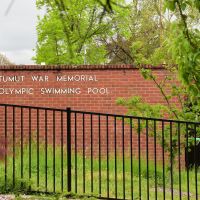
(120,81)
(98,89)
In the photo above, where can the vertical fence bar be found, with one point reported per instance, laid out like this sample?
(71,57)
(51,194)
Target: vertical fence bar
(187,154)
(147,156)
(22,144)
(13,147)
(179,161)
(54,152)
(6,141)
(38,150)
(123,161)
(107,155)
(46,146)
(155,160)
(83,152)
(171,162)
(75,129)
(69,185)
(30,140)
(163,157)
(99,132)
(131,147)
(91,138)
(139,161)
(115,138)
(61,150)
(195,157)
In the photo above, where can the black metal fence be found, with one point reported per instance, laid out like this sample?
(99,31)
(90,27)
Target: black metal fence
(96,154)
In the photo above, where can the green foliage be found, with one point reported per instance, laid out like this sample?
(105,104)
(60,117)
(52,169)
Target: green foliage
(67,29)
(115,32)
(137,107)
(183,110)
(162,32)
(118,32)
(143,28)
(184,43)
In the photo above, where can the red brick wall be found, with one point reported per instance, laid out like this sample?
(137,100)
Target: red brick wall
(119,81)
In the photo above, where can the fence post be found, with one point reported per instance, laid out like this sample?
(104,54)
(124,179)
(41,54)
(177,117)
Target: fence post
(69,185)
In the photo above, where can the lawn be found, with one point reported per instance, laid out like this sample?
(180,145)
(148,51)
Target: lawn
(24,185)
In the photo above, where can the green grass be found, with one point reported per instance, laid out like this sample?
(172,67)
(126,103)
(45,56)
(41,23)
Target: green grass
(33,181)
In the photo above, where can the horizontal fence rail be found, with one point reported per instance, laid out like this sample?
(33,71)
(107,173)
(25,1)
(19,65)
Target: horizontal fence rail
(96,154)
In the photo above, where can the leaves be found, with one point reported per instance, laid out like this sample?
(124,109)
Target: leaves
(126,33)
(170,4)
(147,74)
(67,29)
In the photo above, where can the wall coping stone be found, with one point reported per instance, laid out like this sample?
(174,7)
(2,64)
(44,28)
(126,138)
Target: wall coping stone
(77,67)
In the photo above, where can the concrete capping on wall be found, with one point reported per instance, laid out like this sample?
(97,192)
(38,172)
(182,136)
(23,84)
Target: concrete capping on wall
(78,67)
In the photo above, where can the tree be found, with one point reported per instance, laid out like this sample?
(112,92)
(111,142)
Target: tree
(69,30)
(112,33)
(141,28)
(182,109)
(140,32)
(184,43)
(4,60)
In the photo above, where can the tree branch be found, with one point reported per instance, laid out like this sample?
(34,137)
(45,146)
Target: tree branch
(186,31)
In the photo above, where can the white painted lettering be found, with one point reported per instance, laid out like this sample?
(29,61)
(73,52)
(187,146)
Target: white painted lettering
(59,91)
(40,78)
(11,78)
(77,78)
(16,91)
(97,90)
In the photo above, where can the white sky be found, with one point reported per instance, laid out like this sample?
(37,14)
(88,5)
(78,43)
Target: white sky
(18,30)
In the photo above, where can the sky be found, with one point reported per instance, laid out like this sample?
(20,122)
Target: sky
(18,30)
